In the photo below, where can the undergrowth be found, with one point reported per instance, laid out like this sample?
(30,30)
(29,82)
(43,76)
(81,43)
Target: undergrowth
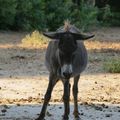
(35,39)
(112,65)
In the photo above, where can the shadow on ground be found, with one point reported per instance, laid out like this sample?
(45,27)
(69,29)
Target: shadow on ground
(21,71)
(55,111)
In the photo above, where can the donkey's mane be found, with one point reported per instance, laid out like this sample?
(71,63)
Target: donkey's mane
(68,28)
(67,25)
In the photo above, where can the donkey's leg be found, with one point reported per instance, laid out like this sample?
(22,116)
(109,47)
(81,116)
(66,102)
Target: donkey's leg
(75,95)
(52,81)
(66,97)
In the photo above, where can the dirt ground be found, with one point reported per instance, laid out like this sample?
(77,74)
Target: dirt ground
(24,80)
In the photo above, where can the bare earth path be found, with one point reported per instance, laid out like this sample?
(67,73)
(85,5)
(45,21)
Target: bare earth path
(24,79)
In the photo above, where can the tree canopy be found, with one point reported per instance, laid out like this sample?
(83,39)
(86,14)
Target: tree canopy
(50,14)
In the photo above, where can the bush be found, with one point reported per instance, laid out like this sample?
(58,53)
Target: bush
(35,39)
(50,14)
(56,11)
(115,19)
(45,14)
(7,13)
(41,14)
(112,66)
(108,17)
(84,16)
(30,15)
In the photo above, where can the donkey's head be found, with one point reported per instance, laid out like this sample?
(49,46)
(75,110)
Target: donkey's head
(67,37)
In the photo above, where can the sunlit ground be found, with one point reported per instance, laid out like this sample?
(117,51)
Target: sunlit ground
(24,79)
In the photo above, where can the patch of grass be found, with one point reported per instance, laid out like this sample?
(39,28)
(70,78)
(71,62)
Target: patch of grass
(112,65)
(93,59)
(34,39)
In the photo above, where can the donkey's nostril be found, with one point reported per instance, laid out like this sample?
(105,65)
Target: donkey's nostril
(66,75)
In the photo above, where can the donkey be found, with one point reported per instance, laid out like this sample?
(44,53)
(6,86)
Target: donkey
(65,58)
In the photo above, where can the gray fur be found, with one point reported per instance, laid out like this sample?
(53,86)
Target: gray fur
(65,58)
(52,58)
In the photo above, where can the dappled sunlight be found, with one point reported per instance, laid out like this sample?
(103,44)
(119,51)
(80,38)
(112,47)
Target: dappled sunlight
(6,46)
(102,46)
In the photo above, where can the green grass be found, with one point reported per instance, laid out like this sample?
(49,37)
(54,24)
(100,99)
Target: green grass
(112,65)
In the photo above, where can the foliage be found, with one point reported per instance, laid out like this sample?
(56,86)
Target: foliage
(7,13)
(56,12)
(114,19)
(35,39)
(85,16)
(44,14)
(108,17)
(106,12)
(104,15)
(112,65)
(30,15)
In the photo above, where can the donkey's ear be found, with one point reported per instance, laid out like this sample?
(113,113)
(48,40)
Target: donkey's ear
(78,36)
(51,35)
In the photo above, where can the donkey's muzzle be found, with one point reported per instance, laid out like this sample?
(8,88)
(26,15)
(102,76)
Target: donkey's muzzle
(67,75)
(66,71)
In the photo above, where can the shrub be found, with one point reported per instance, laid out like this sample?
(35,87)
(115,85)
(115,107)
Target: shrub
(84,16)
(108,17)
(30,15)
(115,19)
(35,39)
(112,66)
(104,15)
(56,11)
(7,13)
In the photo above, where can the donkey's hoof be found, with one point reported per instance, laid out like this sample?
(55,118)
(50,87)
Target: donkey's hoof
(77,118)
(41,117)
(76,115)
(37,119)
(65,117)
